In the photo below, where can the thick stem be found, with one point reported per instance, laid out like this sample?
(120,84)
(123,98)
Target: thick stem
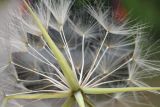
(117,90)
(73,82)
(79,98)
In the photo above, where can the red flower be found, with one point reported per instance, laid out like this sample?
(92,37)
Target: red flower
(119,11)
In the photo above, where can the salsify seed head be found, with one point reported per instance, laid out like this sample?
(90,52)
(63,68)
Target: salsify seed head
(101,52)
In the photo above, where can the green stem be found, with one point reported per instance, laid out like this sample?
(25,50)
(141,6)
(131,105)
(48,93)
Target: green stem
(79,98)
(117,90)
(39,95)
(69,74)
(35,96)
(69,102)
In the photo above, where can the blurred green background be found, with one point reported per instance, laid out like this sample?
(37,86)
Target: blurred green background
(147,11)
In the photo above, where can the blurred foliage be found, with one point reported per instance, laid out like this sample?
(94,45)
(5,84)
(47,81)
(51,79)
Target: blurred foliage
(147,11)
(2,2)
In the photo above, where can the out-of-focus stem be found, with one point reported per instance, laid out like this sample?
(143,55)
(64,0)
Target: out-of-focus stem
(4,102)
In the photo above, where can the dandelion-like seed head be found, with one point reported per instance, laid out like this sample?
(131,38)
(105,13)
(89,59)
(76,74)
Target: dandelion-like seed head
(53,58)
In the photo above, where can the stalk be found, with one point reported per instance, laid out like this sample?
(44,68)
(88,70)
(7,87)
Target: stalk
(35,96)
(118,90)
(39,95)
(68,73)
(79,98)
